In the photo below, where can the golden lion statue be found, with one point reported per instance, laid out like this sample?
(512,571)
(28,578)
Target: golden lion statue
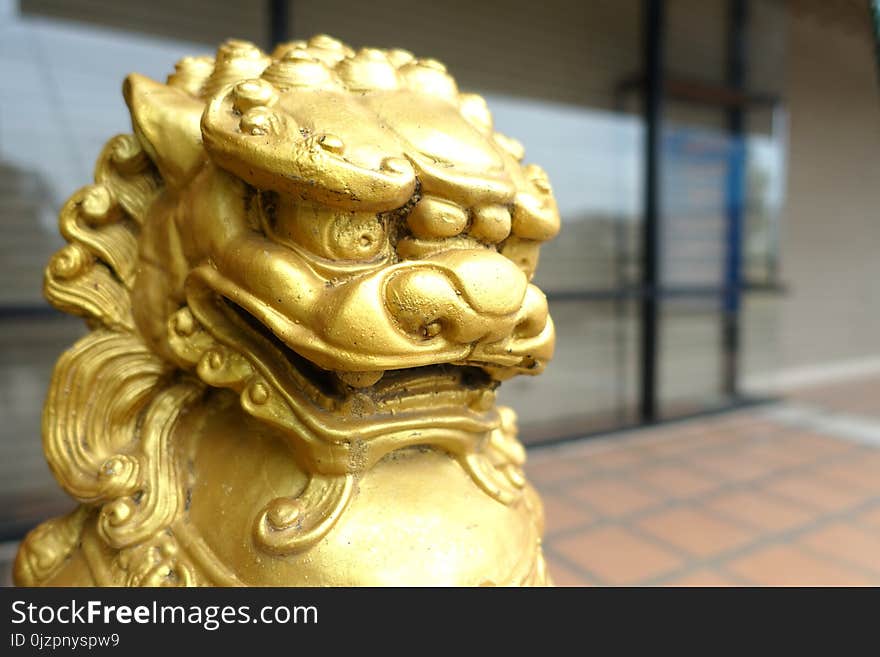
(305,275)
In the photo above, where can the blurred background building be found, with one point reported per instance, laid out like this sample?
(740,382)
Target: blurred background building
(716,164)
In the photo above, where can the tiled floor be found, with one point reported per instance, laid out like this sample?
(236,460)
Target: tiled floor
(786,494)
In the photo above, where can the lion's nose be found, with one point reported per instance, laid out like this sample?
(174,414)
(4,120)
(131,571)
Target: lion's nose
(490,283)
(465,295)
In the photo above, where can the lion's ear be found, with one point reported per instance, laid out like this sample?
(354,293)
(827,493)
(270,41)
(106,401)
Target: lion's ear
(166,122)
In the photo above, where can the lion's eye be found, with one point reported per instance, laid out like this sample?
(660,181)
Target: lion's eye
(326,232)
(356,237)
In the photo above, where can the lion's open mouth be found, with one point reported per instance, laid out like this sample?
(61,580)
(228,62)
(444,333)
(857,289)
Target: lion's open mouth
(404,389)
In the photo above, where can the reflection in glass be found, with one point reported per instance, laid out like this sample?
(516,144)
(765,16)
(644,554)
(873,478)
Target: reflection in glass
(593,160)
(591,384)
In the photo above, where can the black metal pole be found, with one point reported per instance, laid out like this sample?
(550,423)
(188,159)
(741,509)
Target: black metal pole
(731,303)
(875,19)
(279,18)
(652,65)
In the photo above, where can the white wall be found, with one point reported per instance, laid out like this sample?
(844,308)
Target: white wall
(831,230)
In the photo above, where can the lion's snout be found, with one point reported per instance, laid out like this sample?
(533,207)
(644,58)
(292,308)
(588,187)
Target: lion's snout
(465,297)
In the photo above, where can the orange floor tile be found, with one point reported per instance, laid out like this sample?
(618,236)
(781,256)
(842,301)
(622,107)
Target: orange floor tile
(764,496)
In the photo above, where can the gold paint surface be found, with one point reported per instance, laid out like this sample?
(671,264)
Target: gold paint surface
(305,275)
